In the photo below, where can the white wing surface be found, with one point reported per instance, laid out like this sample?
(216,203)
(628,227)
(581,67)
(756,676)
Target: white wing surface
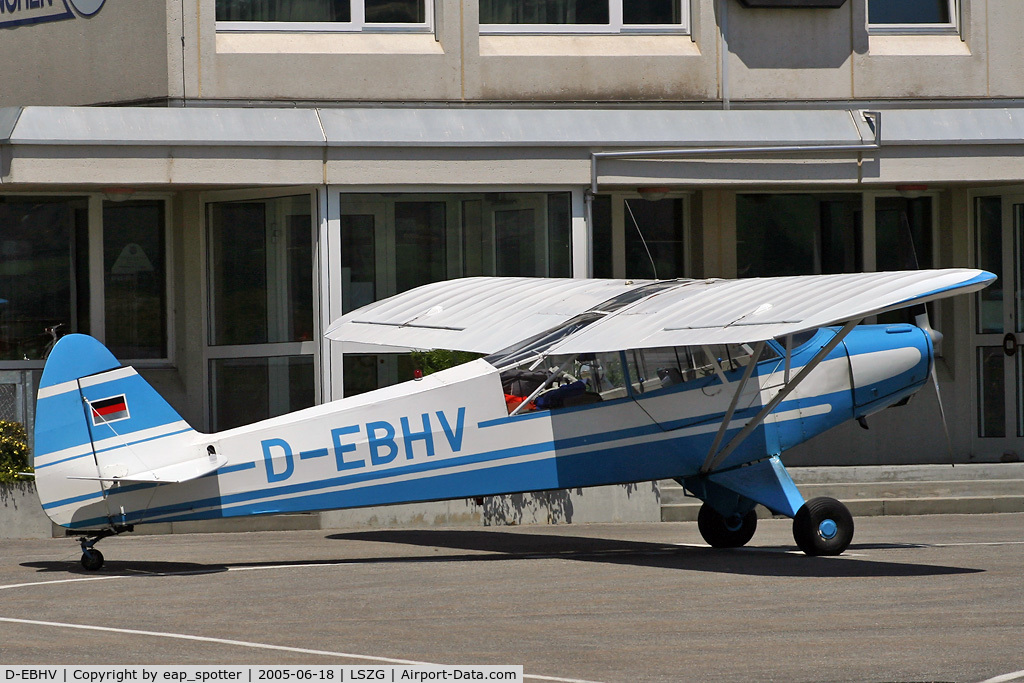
(487,314)
(481,314)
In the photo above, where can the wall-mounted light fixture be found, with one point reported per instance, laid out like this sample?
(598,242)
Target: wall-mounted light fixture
(117,194)
(794,4)
(653,194)
(911,191)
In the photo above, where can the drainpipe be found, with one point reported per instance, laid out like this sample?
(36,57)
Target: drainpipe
(588,217)
(723,50)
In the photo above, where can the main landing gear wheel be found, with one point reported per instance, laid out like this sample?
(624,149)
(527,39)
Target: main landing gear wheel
(725,532)
(823,526)
(92,559)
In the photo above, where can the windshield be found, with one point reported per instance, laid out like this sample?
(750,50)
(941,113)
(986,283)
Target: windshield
(537,346)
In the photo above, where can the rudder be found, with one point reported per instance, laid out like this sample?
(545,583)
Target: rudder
(98,424)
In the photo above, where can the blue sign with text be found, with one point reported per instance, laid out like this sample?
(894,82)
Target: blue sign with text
(14,13)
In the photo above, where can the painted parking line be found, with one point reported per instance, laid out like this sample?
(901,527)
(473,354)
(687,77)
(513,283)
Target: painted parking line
(257,646)
(1005,678)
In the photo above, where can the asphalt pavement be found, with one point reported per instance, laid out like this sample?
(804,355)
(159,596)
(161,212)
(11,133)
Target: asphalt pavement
(926,598)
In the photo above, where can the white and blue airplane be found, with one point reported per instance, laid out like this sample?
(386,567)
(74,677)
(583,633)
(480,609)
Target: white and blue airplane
(587,382)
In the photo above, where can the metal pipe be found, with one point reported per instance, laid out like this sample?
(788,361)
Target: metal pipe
(588,218)
(723,25)
(876,118)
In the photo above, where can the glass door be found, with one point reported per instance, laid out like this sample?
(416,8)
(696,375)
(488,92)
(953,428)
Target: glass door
(388,243)
(366,261)
(260,300)
(388,247)
(999,326)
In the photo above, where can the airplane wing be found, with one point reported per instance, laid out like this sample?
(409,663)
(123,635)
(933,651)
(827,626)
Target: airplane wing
(479,314)
(488,314)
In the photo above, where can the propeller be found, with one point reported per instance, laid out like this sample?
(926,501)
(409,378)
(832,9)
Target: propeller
(922,320)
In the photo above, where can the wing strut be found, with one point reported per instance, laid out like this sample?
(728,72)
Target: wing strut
(715,459)
(754,358)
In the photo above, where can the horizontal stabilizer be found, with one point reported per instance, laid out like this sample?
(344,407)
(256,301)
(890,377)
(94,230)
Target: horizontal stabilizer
(171,474)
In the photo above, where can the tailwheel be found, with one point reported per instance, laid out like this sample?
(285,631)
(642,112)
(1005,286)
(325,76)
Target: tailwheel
(92,559)
(725,532)
(823,526)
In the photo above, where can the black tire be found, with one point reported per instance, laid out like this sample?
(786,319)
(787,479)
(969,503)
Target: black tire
(722,532)
(823,526)
(92,559)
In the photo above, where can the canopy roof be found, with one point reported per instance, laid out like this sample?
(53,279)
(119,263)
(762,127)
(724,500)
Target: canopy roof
(489,314)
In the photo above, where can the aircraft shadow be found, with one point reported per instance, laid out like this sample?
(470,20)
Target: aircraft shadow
(127,568)
(499,546)
(753,561)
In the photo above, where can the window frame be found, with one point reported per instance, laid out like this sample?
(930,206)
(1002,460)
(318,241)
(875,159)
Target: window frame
(100,306)
(620,225)
(951,28)
(358,24)
(615,25)
(97,287)
(212,352)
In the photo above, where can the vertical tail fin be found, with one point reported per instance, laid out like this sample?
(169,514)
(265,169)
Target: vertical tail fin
(98,424)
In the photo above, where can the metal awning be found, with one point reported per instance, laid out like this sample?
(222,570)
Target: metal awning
(256,146)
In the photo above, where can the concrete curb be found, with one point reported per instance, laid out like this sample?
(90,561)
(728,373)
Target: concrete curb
(890,490)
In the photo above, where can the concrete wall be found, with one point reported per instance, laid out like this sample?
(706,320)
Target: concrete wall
(117,55)
(20,514)
(810,54)
(136,51)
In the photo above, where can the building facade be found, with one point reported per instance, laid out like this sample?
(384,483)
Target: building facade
(206,185)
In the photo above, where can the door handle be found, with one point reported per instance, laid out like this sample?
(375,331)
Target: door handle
(1010,344)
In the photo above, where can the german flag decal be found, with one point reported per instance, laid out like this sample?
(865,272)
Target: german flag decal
(110,409)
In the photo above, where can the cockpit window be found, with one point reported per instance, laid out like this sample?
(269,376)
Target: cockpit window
(555,382)
(799,339)
(536,346)
(564,382)
(660,368)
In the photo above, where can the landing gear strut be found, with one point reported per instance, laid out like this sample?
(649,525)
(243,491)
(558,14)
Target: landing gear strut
(92,559)
(823,526)
(725,532)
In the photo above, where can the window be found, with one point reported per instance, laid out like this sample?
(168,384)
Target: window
(651,370)
(324,15)
(584,16)
(135,278)
(260,309)
(248,389)
(896,248)
(261,271)
(913,16)
(813,234)
(639,237)
(798,234)
(44,274)
(392,243)
(52,283)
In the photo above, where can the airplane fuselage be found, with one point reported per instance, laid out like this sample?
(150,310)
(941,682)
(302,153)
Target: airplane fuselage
(450,435)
